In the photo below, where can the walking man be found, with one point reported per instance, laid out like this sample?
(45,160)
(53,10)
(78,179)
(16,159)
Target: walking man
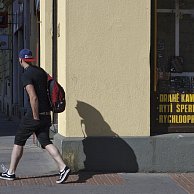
(37,118)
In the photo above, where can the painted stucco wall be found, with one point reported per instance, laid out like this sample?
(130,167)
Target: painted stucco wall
(46,35)
(108,69)
(103,63)
(33,29)
(62,64)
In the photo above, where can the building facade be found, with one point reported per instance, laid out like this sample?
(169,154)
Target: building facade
(113,59)
(24,36)
(18,29)
(127,69)
(5,57)
(103,63)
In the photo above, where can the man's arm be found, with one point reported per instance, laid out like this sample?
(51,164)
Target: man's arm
(33,100)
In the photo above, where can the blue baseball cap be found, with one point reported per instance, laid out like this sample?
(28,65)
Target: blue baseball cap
(26,55)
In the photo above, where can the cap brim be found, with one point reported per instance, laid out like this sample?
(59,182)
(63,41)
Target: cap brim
(29,60)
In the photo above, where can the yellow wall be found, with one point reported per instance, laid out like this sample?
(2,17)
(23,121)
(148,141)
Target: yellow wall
(103,63)
(108,65)
(46,35)
(61,58)
(33,29)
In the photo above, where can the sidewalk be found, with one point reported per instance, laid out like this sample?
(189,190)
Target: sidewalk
(37,173)
(35,161)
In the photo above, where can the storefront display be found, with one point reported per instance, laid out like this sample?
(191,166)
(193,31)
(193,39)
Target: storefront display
(175,65)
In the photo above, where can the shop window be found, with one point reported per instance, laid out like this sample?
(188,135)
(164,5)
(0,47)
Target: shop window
(173,65)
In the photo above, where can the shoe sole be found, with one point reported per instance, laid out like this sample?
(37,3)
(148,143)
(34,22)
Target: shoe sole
(64,177)
(6,178)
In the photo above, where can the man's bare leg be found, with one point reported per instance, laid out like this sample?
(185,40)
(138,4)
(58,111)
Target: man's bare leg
(54,152)
(16,155)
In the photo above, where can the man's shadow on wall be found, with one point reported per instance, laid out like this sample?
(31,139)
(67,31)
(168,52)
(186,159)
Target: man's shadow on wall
(105,151)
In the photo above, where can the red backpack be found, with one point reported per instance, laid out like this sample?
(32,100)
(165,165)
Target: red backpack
(56,95)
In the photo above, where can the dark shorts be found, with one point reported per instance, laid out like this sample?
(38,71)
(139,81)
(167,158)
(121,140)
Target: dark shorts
(28,126)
